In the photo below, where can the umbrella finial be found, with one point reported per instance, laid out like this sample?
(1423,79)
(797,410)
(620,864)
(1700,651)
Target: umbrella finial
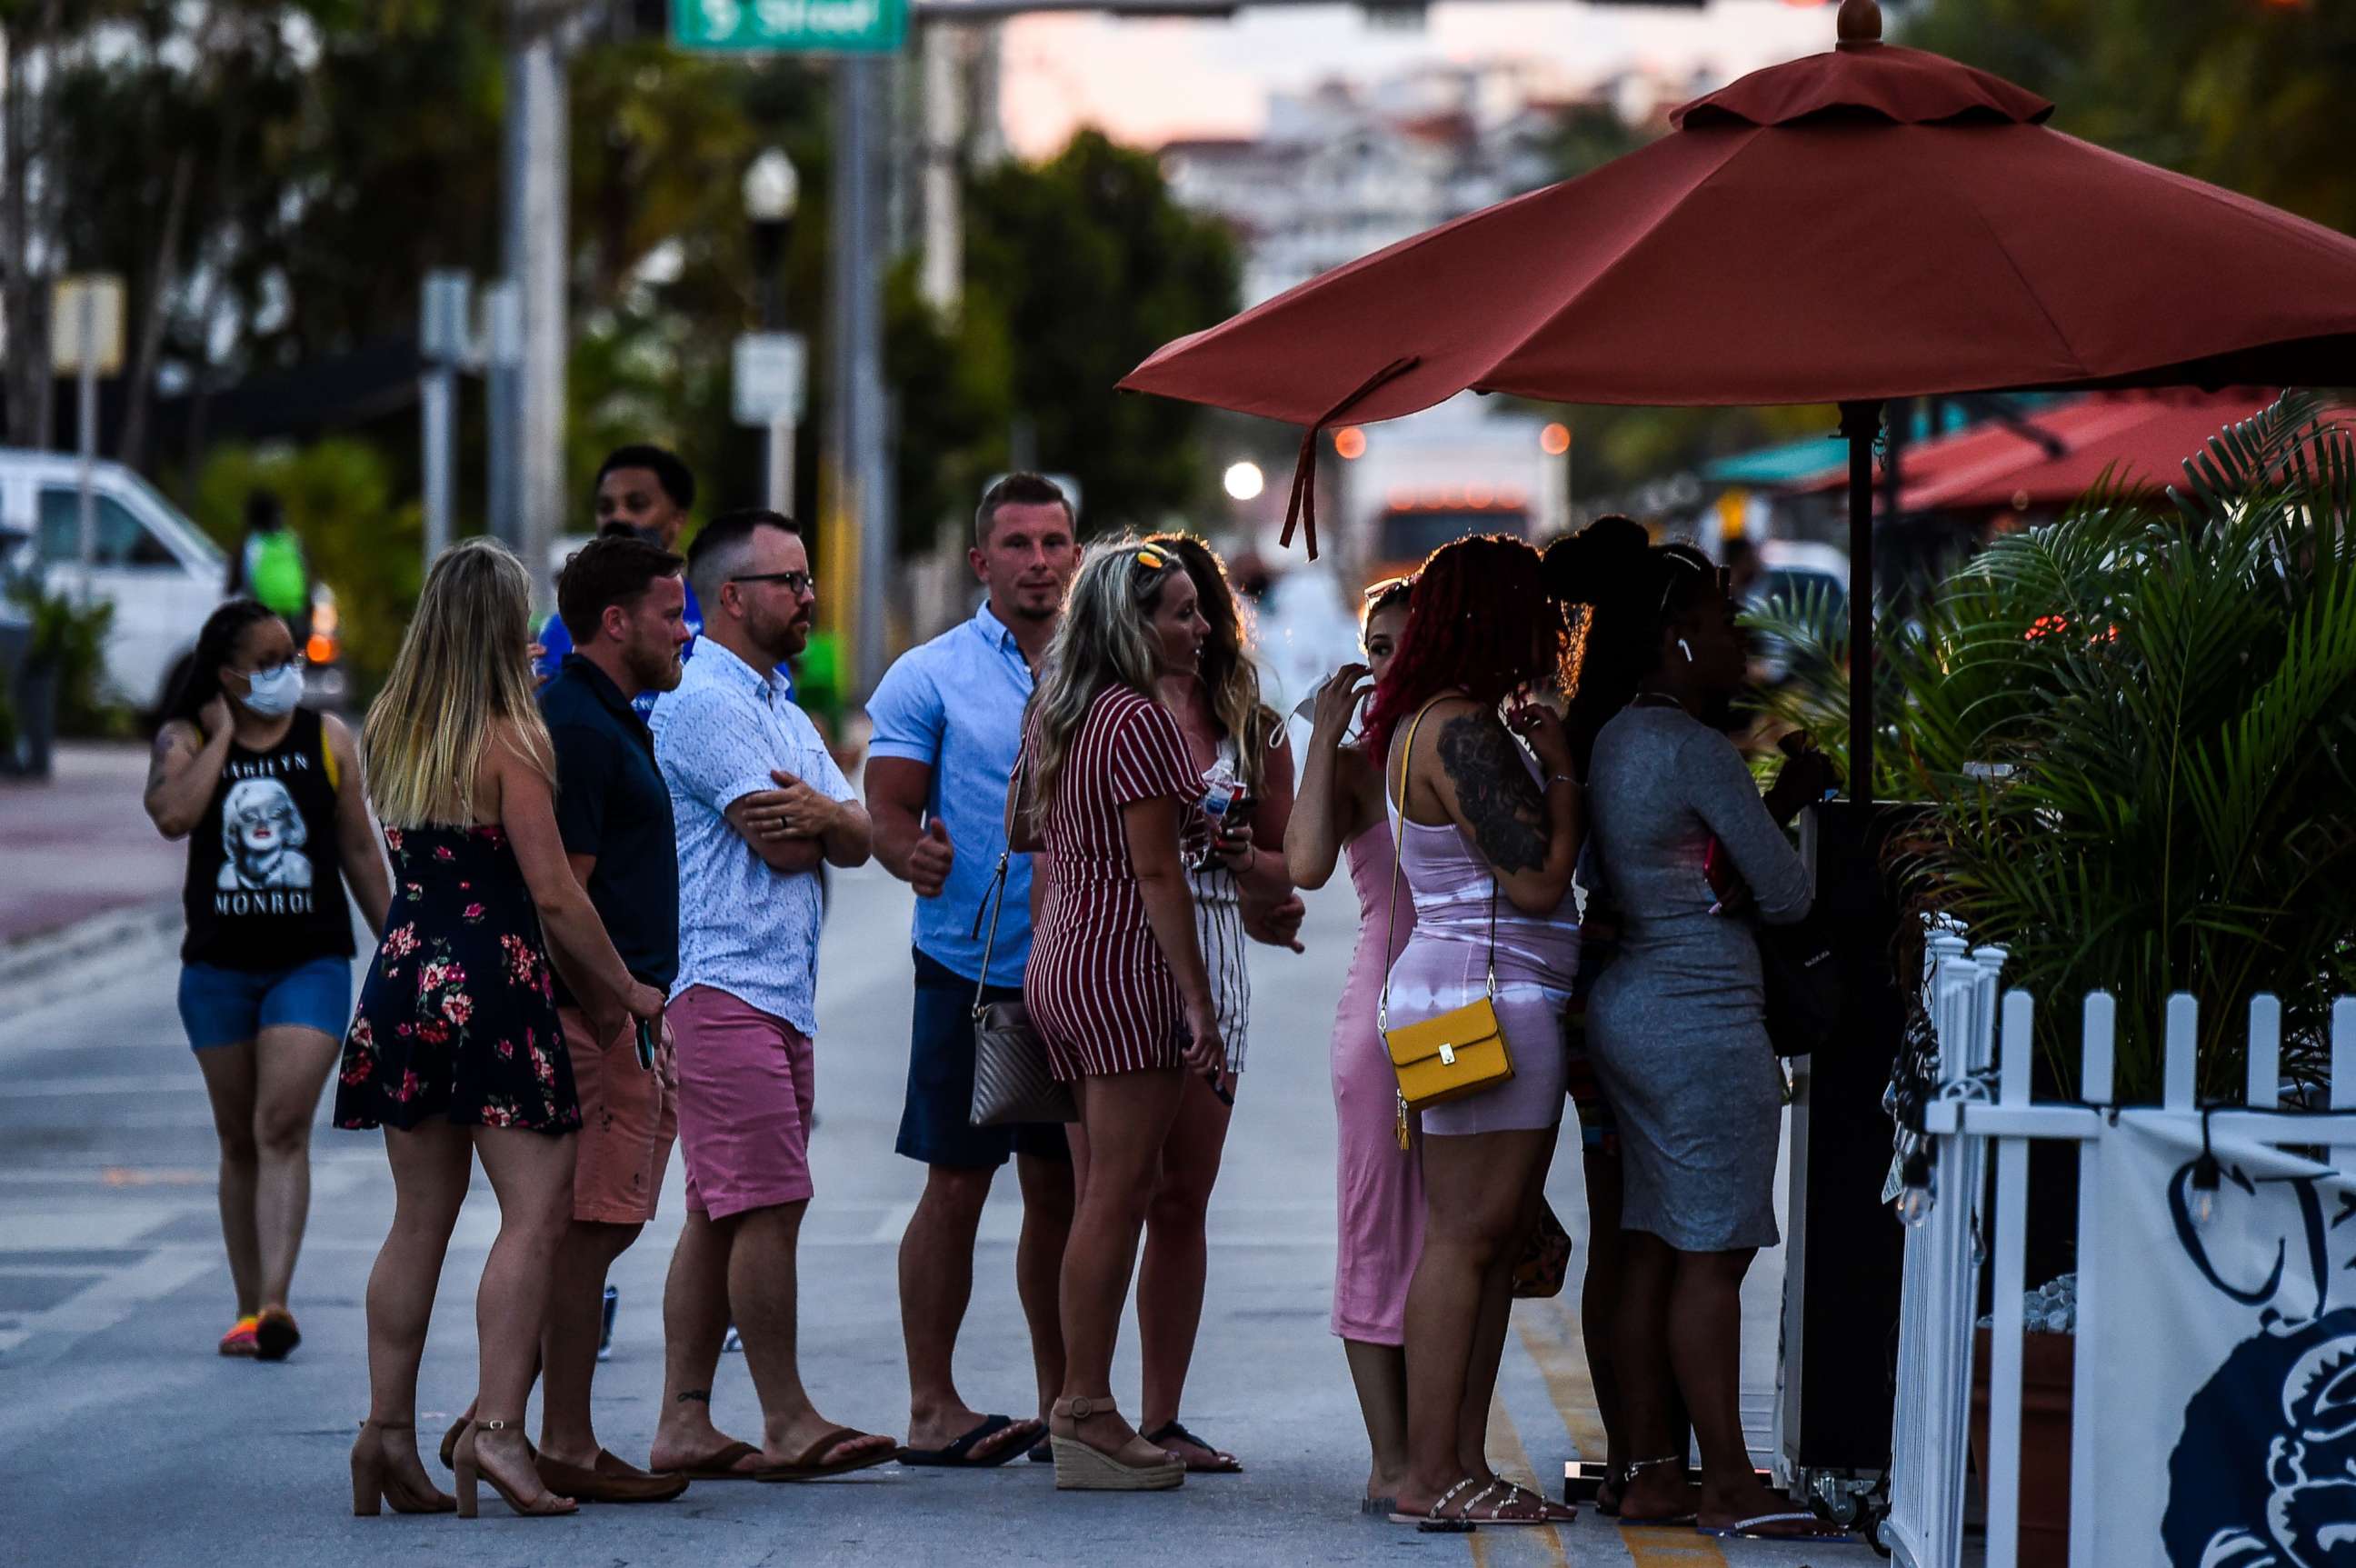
(1859,23)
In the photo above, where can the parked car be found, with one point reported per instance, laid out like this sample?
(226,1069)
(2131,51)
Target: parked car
(158,569)
(1801,574)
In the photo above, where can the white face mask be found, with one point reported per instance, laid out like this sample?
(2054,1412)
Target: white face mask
(271,694)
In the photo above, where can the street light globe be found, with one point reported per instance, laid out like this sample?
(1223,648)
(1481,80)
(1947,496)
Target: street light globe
(772,188)
(1245,481)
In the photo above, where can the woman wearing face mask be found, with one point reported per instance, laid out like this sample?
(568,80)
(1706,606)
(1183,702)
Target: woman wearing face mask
(268,796)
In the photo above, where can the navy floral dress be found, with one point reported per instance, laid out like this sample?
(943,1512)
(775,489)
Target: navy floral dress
(458,1016)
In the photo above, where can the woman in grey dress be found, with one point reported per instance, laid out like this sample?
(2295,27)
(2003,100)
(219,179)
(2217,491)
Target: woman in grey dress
(1677,1025)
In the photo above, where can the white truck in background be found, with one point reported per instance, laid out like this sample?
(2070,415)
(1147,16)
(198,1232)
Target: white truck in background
(1408,485)
(158,569)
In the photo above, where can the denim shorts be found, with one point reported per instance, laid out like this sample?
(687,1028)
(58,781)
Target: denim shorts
(223,1006)
(937,1121)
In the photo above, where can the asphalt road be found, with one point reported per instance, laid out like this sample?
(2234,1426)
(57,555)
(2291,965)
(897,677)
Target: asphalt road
(125,1440)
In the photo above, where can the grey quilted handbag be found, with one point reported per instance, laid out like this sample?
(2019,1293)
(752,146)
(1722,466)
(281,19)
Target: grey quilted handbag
(1012,1080)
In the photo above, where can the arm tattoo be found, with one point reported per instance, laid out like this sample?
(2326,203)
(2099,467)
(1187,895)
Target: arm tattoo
(1495,792)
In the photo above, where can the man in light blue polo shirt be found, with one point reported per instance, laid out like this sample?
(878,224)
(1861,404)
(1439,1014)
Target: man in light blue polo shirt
(948,722)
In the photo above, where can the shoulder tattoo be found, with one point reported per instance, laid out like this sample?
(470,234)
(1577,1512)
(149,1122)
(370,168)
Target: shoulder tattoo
(1493,790)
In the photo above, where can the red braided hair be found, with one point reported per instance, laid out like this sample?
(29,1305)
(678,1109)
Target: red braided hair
(1479,621)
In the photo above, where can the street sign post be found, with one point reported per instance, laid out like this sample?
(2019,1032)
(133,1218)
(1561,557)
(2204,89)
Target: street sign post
(86,341)
(795,26)
(771,376)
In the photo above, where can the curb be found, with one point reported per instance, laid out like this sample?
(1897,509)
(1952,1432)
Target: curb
(42,969)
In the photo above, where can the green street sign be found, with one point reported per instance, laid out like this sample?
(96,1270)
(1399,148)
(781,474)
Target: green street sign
(798,27)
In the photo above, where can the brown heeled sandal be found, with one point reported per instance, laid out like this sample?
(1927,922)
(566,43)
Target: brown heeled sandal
(469,1470)
(374,1484)
(1082,1467)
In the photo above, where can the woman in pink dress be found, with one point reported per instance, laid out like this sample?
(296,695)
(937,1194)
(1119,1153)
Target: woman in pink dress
(1379,1189)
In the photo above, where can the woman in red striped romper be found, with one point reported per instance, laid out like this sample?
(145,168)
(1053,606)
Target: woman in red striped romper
(1116,986)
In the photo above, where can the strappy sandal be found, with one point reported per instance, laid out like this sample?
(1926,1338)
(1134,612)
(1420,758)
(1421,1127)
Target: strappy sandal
(1627,1477)
(374,1485)
(1510,1499)
(548,1505)
(1222,1461)
(1554,1512)
(1432,1521)
(1082,1467)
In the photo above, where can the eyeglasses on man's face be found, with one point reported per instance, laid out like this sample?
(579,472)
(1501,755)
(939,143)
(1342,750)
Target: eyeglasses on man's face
(796,583)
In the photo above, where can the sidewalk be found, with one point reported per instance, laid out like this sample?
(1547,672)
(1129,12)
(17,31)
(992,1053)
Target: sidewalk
(77,844)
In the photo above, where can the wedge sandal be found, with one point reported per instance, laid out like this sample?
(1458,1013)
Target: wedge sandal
(1082,1467)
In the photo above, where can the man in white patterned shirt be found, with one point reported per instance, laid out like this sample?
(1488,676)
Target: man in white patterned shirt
(758,803)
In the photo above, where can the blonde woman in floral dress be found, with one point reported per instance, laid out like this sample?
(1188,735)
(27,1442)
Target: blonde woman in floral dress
(455,1050)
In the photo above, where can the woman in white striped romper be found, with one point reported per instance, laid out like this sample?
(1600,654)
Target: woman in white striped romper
(1242,891)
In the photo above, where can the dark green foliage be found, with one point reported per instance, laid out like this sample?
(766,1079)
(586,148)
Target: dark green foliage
(2132,736)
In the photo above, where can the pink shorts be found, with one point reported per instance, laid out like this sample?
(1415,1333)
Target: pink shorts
(746,1084)
(628,1123)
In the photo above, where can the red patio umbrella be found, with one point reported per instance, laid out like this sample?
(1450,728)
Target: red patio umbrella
(1869,223)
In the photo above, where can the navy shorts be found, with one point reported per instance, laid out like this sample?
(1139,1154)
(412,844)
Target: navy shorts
(225,1007)
(936,1124)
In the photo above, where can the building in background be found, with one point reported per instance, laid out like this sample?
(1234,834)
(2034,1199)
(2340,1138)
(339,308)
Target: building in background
(1347,167)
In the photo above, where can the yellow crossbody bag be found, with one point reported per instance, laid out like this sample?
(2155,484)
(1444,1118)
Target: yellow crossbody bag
(1461,1051)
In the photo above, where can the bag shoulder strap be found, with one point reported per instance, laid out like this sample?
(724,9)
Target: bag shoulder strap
(1398,854)
(995,899)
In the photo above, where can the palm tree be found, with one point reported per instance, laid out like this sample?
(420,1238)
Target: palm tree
(2131,739)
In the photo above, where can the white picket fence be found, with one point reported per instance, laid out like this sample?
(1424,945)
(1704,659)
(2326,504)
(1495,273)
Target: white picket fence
(1924,1528)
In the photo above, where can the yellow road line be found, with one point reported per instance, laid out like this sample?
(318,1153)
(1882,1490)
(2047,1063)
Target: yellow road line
(1550,1333)
(1505,1440)
(1665,1547)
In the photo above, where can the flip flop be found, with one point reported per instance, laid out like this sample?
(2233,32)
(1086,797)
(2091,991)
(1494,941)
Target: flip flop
(720,1464)
(1748,1528)
(957,1456)
(806,1467)
(1658,1521)
(1221,1462)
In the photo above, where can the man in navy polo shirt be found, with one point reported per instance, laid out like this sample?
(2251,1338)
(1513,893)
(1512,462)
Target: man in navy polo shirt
(624,601)
(949,721)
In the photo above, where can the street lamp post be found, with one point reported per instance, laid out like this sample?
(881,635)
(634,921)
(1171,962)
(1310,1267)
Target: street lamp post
(772,191)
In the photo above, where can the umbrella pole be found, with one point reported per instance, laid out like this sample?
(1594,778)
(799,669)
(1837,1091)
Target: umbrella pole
(1860,422)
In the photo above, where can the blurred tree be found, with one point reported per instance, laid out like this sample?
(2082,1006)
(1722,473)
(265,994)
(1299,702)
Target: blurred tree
(2249,94)
(1094,267)
(359,537)
(953,382)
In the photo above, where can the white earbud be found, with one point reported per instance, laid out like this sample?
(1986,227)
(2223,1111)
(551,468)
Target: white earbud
(1683,649)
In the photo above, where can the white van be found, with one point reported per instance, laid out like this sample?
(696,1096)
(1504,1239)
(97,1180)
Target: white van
(158,569)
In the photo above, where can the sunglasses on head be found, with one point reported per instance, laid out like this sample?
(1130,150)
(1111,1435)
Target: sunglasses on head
(1151,559)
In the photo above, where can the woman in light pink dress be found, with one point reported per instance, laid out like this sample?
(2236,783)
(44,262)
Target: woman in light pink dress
(1379,1209)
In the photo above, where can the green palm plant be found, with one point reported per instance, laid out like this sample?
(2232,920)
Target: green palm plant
(2130,739)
